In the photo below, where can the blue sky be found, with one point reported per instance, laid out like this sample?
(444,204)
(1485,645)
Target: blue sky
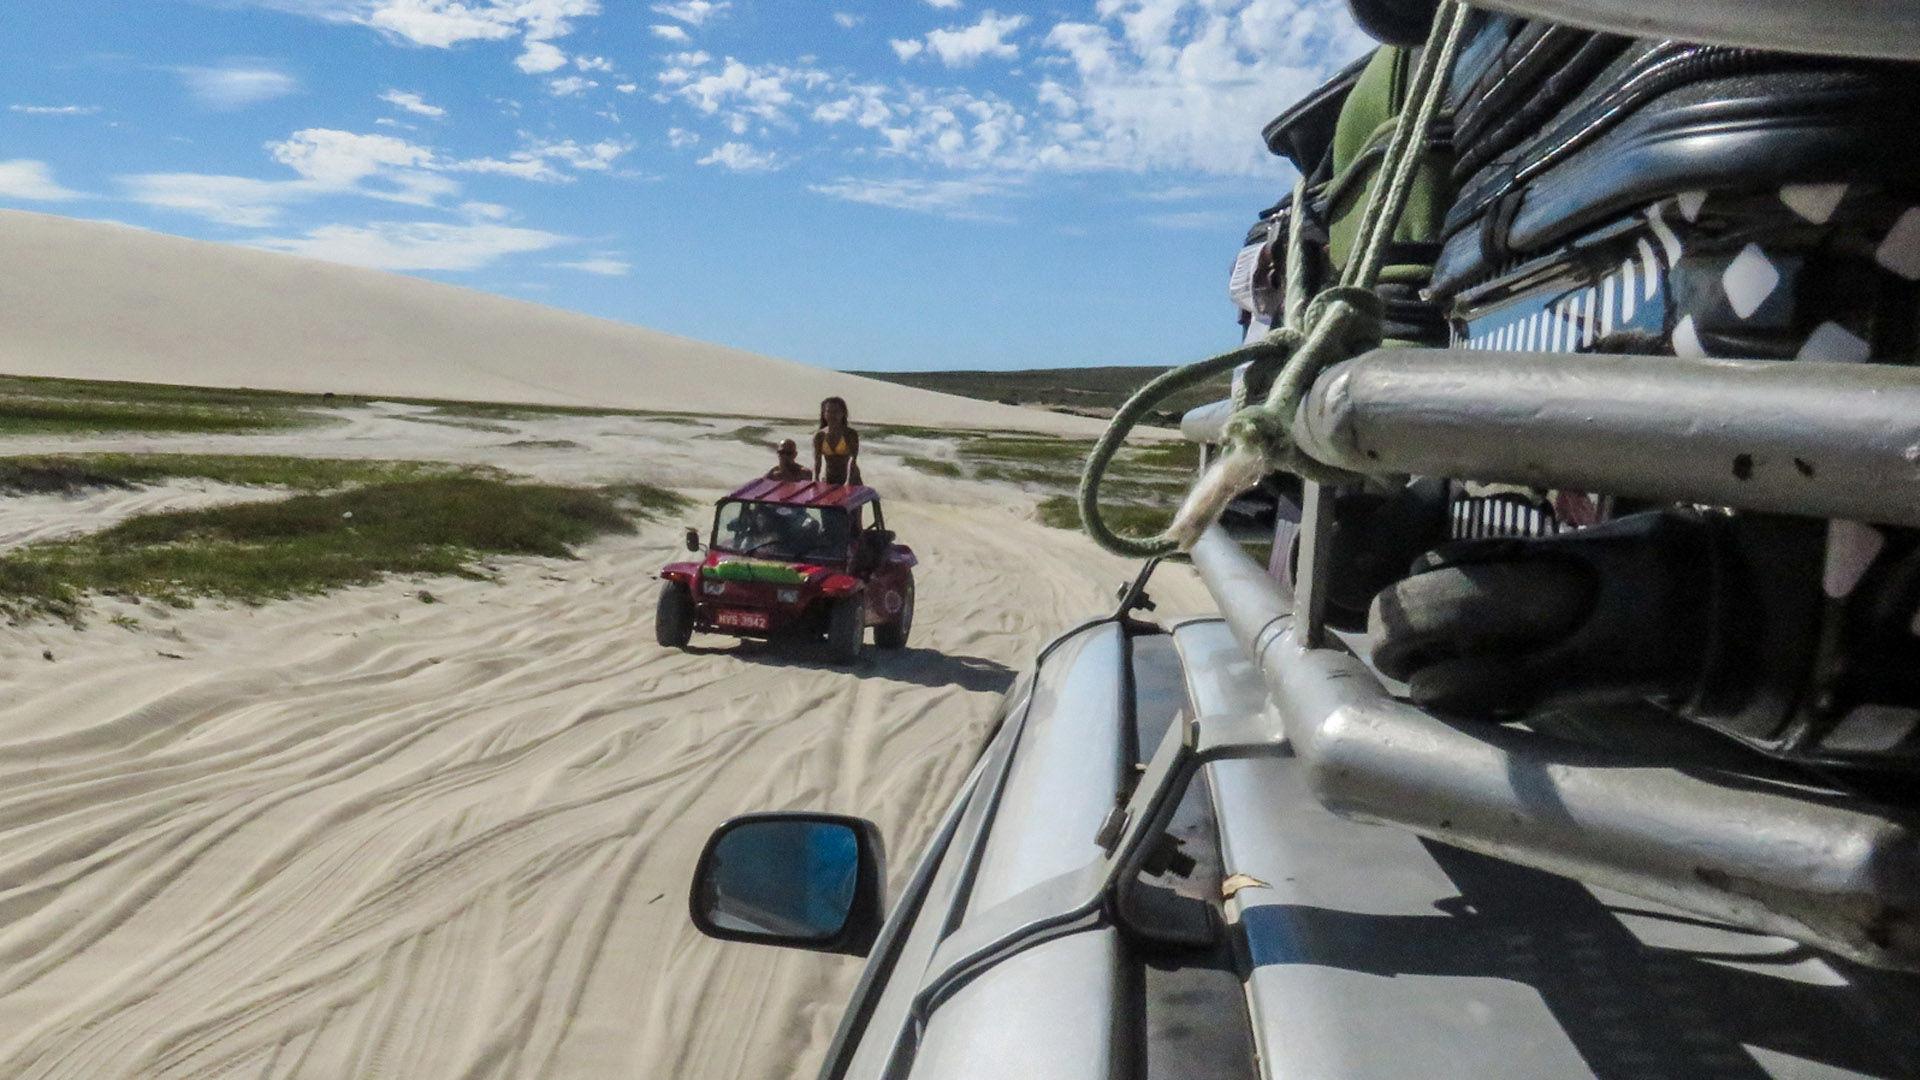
(915,184)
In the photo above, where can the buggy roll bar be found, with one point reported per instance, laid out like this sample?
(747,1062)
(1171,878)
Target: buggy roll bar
(1822,440)
(1842,876)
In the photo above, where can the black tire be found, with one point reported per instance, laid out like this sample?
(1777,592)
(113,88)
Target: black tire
(673,616)
(846,630)
(893,635)
(1478,611)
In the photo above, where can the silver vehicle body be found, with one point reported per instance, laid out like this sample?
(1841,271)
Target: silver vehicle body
(1344,950)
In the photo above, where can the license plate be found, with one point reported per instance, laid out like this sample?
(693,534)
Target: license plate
(744,620)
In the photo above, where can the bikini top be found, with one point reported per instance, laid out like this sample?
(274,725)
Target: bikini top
(830,448)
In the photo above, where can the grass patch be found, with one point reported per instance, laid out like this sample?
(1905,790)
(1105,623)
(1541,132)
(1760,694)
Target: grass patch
(468,425)
(1063,512)
(313,543)
(1138,494)
(1087,391)
(22,415)
(751,434)
(68,474)
(932,466)
(1038,451)
(543,444)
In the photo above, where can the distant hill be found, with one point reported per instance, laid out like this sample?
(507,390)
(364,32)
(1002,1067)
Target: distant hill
(1083,391)
(89,300)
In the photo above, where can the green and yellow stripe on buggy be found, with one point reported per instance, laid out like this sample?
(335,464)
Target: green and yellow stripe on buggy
(777,573)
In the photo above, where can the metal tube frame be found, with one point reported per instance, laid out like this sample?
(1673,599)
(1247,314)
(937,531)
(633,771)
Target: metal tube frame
(1821,440)
(1832,873)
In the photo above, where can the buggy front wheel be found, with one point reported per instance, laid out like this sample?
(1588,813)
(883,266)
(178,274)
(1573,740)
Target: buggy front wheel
(846,629)
(673,616)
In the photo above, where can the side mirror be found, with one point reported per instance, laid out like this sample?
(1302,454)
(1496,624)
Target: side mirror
(693,538)
(801,880)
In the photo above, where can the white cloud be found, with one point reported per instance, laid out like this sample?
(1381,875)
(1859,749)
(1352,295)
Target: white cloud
(741,94)
(237,86)
(680,68)
(943,4)
(593,63)
(438,24)
(418,245)
(55,110)
(627,87)
(1144,86)
(679,137)
(669,32)
(328,162)
(848,20)
(948,198)
(535,160)
(569,86)
(340,159)
(1182,84)
(32,180)
(540,58)
(607,267)
(741,158)
(413,103)
(693,12)
(444,23)
(226,200)
(865,106)
(963,46)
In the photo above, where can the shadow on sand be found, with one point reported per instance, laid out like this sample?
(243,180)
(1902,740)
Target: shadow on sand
(920,667)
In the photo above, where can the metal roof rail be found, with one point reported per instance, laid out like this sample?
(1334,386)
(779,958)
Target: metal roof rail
(1817,439)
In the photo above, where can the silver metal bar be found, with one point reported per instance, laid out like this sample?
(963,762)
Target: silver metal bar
(1206,424)
(1823,440)
(1842,876)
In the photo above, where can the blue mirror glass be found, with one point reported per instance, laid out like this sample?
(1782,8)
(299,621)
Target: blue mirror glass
(785,879)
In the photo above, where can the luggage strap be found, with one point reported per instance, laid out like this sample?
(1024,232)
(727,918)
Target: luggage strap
(1341,322)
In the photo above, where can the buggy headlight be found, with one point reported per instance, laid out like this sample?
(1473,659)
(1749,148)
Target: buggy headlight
(788,596)
(713,588)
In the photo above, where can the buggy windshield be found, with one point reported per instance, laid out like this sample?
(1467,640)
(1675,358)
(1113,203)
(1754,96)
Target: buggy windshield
(774,531)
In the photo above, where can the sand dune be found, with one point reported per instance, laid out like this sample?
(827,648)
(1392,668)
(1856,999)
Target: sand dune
(95,301)
(364,836)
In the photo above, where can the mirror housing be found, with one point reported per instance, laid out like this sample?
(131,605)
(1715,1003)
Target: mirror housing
(794,879)
(693,538)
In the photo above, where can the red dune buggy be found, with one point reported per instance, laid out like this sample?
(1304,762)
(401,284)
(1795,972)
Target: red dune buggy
(793,559)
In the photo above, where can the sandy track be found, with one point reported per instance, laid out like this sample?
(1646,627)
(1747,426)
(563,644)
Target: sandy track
(366,836)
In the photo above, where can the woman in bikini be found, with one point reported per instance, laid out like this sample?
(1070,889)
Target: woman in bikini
(836,446)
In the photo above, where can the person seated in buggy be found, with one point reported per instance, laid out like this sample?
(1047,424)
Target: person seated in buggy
(789,469)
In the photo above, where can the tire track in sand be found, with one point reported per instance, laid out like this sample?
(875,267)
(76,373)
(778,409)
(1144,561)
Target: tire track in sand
(361,836)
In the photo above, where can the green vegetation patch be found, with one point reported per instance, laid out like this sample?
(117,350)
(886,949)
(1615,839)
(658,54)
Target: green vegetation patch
(933,466)
(316,542)
(71,473)
(751,434)
(1063,512)
(35,414)
(1138,494)
(1086,391)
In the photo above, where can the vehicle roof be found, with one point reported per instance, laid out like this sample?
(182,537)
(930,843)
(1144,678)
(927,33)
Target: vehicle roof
(806,493)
